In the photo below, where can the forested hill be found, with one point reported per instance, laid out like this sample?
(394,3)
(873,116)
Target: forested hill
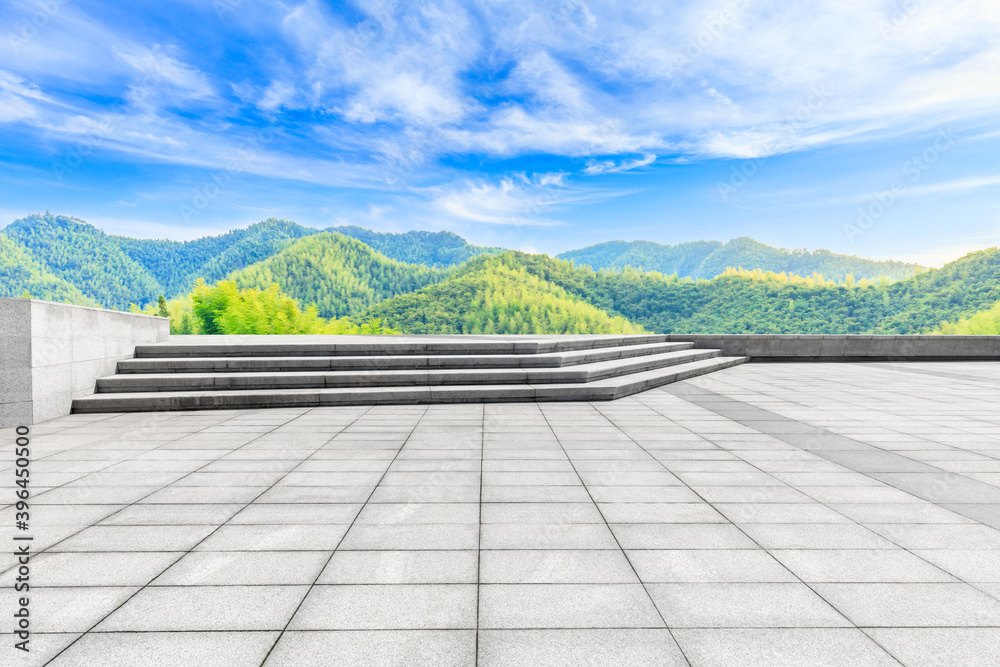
(707,259)
(735,302)
(499,297)
(176,265)
(341,275)
(117,270)
(21,273)
(86,258)
(65,259)
(440,249)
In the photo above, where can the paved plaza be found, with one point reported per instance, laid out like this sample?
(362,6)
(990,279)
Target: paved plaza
(768,514)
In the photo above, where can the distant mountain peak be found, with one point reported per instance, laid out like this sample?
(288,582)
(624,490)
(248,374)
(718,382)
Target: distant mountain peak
(707,259)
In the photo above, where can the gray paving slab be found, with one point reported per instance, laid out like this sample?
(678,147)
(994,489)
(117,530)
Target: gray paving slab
(402,567)
(542,648)
(215,608)
(103,568)
(388,606)
(913,605)
(782,647)
(244,568)
(388,648)
(940,647)
(744,605)
(154,649)
(708,566)
(758,515)
(512,606)
(549,566)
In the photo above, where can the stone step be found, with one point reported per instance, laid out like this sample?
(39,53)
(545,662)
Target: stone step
(293,364)
(588,372)
(606,389)
(335,346)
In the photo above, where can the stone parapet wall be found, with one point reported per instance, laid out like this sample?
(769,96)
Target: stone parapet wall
(51,353)
(781,347)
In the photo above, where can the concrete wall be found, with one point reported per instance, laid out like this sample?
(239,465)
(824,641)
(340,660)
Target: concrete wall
(15,362)
(773,347)
(51,353)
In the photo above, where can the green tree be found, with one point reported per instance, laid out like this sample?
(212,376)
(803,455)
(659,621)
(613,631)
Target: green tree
(162,307)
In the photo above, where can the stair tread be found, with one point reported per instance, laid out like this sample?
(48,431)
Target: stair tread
(465,361)
(584,372)
(604,389)
(182,347)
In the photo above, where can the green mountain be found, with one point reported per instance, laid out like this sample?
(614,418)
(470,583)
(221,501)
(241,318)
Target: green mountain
(958,289)
(498,295)
(438,249)
(118,270)
(707,259)
(20,272)
(176,265)
(684,259)
(85,257)
(341,275)
(65,259)
(735,302)
(755,302)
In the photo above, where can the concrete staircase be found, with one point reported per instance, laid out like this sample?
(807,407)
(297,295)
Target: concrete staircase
(220,372)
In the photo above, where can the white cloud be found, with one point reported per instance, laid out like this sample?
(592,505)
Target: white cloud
(277,94)
(516,200)
(957,185)
(505,203)
(595,167)
(158,74)
(13,108)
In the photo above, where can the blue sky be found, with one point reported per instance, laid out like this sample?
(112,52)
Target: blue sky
(862,126)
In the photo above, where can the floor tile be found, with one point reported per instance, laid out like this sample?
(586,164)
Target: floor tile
(566,606)
(735,605)
(555,566)
(941,647)
(381,648)
(392,607)
(154,649)
(548,648)
(180,608)
(244,568)
(708,566)
(401,567)
(912,605)
(781,647)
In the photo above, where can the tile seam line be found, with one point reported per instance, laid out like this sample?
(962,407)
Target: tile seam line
(479,544)
(549,629)
(361,509)
(645,589)
(185,552)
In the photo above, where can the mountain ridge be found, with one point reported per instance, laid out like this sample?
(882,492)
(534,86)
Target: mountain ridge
(707,259)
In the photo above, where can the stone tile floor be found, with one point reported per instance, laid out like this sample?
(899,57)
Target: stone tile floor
(769,514)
